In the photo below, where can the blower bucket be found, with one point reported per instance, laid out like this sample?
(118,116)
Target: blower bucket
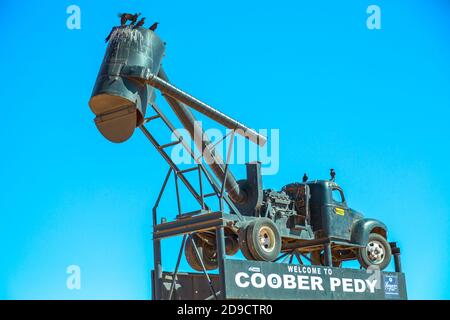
(119,100)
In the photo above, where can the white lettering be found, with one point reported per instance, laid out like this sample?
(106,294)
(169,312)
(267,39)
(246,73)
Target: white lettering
(347,285)
(262,280)
(274,281)
(289,281)
(238,280)
(371,284)
(334,282)
(360,285)
(316,283)
(303,282)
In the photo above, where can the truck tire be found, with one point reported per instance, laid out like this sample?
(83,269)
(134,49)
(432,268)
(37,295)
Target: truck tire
(231,242)
(206,252)
(318,259)
(231,245)
(263,239)
(377,252)
(243,245)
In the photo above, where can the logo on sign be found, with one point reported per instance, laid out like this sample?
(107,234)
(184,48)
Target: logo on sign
(391,285)
(254,269)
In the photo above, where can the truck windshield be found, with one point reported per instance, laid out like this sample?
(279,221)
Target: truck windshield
(337,195)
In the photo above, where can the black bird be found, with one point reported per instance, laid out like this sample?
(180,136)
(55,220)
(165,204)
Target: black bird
(154,26)
(305,177)
(332,174)
(125,17)
(134,18)
(140,23)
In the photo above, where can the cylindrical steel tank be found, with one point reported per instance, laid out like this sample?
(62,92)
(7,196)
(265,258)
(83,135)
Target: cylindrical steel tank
(119,102)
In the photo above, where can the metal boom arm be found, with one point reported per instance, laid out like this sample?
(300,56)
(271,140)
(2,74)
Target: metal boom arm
(172,91)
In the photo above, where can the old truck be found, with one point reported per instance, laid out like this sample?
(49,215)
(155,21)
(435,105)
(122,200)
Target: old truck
(309,219)
(301,217)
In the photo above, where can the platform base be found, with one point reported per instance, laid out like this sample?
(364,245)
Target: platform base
(279,281)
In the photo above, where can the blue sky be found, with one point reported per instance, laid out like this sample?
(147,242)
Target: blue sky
(373,104)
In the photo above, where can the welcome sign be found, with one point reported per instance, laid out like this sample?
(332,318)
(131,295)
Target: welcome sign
(264,280)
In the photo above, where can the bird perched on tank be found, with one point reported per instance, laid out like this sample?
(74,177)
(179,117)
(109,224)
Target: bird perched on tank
(305,177)
(140,23)
(154,26)
(332,174)
(125,17)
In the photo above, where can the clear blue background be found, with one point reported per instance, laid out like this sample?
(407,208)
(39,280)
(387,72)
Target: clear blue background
(372,104)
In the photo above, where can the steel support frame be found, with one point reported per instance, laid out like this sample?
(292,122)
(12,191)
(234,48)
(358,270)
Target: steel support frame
(208,221)
(396,253)
(216,222)
(188,223)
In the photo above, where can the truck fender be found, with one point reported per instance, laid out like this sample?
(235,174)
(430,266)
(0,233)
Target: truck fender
(362,228)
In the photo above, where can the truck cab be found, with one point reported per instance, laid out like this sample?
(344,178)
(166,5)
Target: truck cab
(306,218)
(330,214)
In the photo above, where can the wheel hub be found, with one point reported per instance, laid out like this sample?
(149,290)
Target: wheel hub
(375,251)
(210,251)
(266,239)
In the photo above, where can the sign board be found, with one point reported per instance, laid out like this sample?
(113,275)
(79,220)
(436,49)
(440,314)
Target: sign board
(266,280)
(280,281)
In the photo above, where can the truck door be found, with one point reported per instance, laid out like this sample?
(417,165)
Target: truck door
(339,220)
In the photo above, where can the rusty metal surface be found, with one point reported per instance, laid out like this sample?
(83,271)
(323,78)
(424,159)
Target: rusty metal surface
(202,222)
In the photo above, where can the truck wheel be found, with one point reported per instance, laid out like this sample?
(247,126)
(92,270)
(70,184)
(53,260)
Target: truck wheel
(207,253)
(231,242)
(243,245)
(264,240)
(377,252)
(231,245)
(318,259)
